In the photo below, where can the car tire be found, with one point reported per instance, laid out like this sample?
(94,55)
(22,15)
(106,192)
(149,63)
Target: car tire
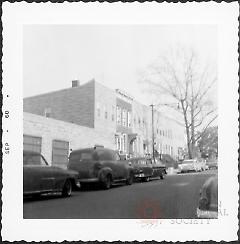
(146,179)
(107,182)
(162,176)
(36,196)
(67,188)
(129,180)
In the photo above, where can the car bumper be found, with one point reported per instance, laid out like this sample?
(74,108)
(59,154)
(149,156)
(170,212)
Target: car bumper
(207,214)
(141,175)
(89,180)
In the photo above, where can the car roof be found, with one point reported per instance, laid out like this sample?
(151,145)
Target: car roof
(138,158)
(28,152)
(91,149)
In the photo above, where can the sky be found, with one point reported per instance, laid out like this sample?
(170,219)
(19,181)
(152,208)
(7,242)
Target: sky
(114,55)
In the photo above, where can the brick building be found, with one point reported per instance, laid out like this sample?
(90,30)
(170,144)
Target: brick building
(97,115)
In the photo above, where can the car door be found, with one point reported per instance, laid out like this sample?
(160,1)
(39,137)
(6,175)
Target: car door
(31,179)
(37,175)
(156,168)
(47,176)
(121,166)
(146,168)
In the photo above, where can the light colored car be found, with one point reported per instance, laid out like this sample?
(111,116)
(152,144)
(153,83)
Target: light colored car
(212,165)
(208,201)
(39,177)
(189,165)
(202,165)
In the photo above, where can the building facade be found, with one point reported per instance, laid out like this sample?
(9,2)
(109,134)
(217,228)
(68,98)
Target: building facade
(95,112)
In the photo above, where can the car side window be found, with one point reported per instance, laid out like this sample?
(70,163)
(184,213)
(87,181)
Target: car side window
(35,160)
(105,155)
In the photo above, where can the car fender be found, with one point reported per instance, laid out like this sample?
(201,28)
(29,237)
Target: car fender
(103,172)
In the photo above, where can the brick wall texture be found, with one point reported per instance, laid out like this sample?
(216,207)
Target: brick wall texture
(74,105)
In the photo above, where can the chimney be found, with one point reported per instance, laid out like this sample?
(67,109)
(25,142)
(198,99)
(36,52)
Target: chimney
(75,83)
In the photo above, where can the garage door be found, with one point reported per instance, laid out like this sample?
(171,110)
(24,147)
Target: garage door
(32,143)
(60,150)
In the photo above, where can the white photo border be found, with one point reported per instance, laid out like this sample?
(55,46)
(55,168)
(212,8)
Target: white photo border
(15,15)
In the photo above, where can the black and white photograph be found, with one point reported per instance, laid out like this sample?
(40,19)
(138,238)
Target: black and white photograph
(122,123)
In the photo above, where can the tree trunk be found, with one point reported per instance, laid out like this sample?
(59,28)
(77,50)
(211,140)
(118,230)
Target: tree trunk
(192,141)
(187,131)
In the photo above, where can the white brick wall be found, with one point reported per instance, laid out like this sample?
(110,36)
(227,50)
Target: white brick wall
(77,136)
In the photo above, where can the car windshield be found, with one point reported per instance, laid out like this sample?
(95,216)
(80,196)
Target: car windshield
(188,162)
(34,160)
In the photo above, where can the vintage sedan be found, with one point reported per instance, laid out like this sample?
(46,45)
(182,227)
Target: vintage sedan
(189,165)
(159,168)
(143,169)
(100,165)
(208,201)
(39,177)
(212,165)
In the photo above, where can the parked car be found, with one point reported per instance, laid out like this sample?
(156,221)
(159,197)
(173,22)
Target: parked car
(202,165)
(208,201)
(212,165)
(159,169)
(143,169)
(101,165)
(189,165)
(39,177)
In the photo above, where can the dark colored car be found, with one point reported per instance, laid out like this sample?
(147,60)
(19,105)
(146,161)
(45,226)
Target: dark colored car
(208,201)
(101,165)
(143,169)
(159,169)
(147,168)
(39,177)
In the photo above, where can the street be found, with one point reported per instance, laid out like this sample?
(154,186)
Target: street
(174,197)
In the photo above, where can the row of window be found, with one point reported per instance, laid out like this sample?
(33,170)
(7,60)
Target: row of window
(138,121)
(106,112)
(165,149)
(123,117)
(166,133)
(60,149)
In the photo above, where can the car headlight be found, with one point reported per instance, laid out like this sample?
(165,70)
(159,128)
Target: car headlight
(203,203)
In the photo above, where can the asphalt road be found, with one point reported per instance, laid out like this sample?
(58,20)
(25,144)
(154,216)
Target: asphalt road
(174,197)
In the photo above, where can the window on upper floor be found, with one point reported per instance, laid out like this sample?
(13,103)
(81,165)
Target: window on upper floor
(105,112)
(129,119)
(47,112)
(98,110)
(119,115)
(124,117)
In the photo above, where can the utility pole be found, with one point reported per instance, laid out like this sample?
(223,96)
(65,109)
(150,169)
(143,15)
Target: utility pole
(153,147)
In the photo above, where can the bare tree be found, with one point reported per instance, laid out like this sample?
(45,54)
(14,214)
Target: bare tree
(181,79)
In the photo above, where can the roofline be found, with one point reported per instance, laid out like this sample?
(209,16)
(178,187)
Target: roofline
(65,89)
